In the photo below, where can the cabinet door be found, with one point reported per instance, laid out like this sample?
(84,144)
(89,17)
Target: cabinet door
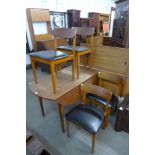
(75,22)
(120,27)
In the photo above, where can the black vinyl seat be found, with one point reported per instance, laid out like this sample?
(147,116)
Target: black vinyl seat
(49,55)
(112,104)
(88,117)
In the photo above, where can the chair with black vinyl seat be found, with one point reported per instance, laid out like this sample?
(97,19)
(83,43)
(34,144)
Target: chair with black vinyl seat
(114,80)
(88,116)
(81,50)
(55,57)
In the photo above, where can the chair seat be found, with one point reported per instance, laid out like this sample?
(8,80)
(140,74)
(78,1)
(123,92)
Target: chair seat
(70,48)
(102,101)
(87,116)
(49,55)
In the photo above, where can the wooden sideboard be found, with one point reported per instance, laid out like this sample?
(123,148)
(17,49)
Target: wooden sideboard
(99,19)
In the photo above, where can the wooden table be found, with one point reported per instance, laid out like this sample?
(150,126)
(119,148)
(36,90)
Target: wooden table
(68,91)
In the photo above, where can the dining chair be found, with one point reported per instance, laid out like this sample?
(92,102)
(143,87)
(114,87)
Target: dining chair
(88,116)
(55,57)
(81,50)
(114,84)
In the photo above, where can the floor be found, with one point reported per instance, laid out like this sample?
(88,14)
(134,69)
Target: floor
(47,129)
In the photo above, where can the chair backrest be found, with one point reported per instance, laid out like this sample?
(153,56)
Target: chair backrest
(112,79)
(37,17)
(64,33)
(85,31)
(96,90)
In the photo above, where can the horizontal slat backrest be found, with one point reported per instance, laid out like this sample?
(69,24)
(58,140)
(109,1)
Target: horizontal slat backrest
(96,90)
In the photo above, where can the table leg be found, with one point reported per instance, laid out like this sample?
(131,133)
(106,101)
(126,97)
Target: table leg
(61,113)
(52,67)
(41,106)
(34,71)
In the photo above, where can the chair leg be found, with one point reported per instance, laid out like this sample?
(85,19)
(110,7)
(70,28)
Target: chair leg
(53,77)
(34,71)
(60,68)
(67,127)
(78,65)
(73,69)
(93,142)
(90,60)
(56,70)
(106,119)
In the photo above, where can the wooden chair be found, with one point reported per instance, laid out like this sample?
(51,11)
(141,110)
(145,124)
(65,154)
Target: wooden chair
(79,50)
(114,84)
(88,116)
(54,57)
(39,16)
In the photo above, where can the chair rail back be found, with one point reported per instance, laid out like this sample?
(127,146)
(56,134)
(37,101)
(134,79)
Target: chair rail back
(96,90)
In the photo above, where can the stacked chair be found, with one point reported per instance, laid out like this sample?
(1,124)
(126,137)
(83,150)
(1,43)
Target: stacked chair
(55,57)
(81,50)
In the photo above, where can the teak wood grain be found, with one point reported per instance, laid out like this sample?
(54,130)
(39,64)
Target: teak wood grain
(68,91)
(64,83)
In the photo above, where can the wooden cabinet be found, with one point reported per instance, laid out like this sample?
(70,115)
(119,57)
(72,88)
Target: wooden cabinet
(73,18)
(121,23)
(87,22)
(99,20)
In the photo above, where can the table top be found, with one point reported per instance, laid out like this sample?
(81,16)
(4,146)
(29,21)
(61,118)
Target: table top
(64,83)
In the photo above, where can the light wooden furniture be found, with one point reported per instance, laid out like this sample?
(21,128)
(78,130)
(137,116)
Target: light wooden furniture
(66,89)
(81,50)
(105,79)
(99,20)
(64,36)
(89,117)
(112,59)
(38,15)
(114,84)
(84,31)
(54,57)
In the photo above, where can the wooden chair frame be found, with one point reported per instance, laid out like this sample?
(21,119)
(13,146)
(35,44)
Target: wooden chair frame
(63,34)
(85,31)
(68,33)
(101,92)
(117,80)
